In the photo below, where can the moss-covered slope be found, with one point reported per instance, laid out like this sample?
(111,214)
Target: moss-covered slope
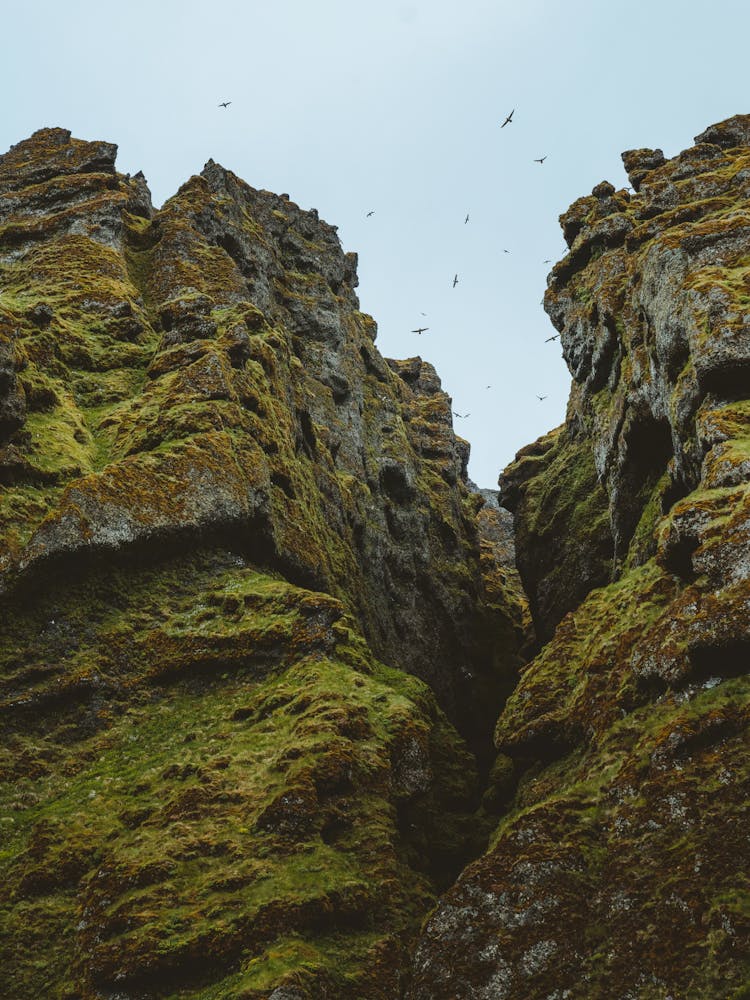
(620,868)
(205,782)
(206,368)
(222,514)
(562,526)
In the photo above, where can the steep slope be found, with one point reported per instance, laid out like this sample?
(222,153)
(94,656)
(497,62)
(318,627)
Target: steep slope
(620,869)
(233,537)
(213,358)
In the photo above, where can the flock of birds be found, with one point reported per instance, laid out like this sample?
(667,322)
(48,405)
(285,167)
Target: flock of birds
(423,329)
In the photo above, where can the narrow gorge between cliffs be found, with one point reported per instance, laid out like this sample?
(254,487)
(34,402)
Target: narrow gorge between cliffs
(291,709)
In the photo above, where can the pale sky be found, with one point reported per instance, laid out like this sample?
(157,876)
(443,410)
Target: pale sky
(395,107)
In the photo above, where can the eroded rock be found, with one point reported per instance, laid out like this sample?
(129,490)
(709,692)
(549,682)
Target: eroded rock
(613,872)
(231,533)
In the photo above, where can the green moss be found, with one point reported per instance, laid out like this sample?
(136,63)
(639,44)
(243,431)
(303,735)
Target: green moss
(565,691)
(563,537)
(213,783)
(60,444)
(245,796)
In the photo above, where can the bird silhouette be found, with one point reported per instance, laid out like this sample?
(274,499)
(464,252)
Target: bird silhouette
(547,261)
(551,338)
(461,416)
(509,119)
(540,398)
(506,251)
(369,214)
(455,280)
(224,104)
(541,159)
(421,329)
(466,219)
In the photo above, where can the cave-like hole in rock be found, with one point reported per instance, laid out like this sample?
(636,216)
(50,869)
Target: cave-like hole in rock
(648,452)
(676,355)
(335,829)
(307,440)
(727,659)
(284,483)
(231,244)
(728,382)
(678,557)
(395,484)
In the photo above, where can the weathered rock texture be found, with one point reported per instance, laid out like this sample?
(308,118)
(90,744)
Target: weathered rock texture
(232,534)
(620,868)
(235,538)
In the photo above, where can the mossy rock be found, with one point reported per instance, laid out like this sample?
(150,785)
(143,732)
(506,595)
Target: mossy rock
(222,513)
(207,775)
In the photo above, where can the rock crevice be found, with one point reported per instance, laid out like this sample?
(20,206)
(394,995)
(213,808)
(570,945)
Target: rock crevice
(617,869)
(232,539)
(259,627)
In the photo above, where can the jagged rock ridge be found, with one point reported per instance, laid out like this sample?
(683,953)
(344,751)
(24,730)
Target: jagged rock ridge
(232,533)
(620,868)
(223,510)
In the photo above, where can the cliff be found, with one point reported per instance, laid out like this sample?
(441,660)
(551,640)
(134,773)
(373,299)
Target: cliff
(234,537)
(620,868)
(258,627)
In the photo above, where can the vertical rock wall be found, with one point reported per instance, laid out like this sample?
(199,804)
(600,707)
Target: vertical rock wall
(231,534)
(619,868)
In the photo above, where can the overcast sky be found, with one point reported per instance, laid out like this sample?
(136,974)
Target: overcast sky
(395,107)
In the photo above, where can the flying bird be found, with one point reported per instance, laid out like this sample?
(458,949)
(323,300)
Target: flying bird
(541,159)
(466,219)
(224,104)
(421,329)
(540,398)
(547,261)
(369,214)
(551,338)
(506,251)
(461,415)
(488,387)
(455,280)
(423,314)
(509,119)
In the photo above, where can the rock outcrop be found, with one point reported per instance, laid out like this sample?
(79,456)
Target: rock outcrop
(233,538)
(258,625)
(620,867)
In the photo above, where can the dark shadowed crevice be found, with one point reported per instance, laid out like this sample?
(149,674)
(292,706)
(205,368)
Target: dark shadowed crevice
(395,483)
(677,557)
(730,659)
(284,483)
(648,450)
(676,489)
(677,355)
(306,440)
(728,382)
(603,360)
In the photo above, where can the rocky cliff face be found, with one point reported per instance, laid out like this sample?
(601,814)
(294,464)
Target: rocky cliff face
(620,868)
(206,368)
(257,626)
(233,538)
